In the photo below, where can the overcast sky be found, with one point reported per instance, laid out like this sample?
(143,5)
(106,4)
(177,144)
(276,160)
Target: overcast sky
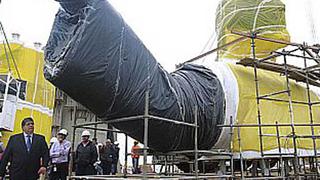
(173,30)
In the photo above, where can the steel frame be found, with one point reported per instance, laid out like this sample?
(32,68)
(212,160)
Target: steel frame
(284,160)
(146,118)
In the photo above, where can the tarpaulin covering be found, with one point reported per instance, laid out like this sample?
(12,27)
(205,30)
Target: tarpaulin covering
(265,17)
(272,112)
(95,57)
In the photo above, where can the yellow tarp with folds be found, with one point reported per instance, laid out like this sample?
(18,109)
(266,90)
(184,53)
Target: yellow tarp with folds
(40,93)
(271,111)
(266,17)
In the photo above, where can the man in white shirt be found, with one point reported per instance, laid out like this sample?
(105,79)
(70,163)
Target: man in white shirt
(59,154)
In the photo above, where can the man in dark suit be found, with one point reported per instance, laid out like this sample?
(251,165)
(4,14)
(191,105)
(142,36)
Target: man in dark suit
(27,153)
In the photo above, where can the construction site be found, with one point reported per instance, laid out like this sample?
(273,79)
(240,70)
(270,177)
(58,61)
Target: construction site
(247,108)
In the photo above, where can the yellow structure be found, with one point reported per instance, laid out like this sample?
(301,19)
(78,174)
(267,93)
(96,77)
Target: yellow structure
(272,112)
(39,93)
(267,18)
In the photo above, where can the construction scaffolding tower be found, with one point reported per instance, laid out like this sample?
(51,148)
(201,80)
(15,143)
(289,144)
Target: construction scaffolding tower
(289,164)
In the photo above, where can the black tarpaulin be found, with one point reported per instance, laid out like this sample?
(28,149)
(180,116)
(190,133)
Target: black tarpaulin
(95,57)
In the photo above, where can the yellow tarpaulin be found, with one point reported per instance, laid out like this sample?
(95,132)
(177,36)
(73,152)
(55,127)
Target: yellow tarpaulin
(267,18)
(272,111)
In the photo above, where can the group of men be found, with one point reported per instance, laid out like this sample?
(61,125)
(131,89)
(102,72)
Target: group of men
(93,158)
(29,157)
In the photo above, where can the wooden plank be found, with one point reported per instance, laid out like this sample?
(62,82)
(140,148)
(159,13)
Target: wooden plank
(294,72)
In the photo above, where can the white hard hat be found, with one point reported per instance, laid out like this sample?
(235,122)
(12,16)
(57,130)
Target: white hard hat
(53,140)
(116,143)
(0,134)
(100,144)
(63,132)
(85,133)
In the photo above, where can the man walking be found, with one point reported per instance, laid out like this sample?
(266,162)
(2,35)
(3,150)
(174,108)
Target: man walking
(27,153)
(86,156)
(135,155)
(59,153)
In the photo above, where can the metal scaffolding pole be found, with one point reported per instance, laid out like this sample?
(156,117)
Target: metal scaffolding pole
(145,139)
(269,125)
(72,150)
(253,51)
(231,148)
(282,172)
(125,156)
(96,126)
(310,112)
(196,166)
(296,160)
(240,152)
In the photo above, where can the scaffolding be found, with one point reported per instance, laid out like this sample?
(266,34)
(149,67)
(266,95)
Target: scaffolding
(229,164)
(146,117)
(303,166)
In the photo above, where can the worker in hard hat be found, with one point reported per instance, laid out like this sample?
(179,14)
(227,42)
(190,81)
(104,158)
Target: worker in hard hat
(114,168)
(59,154)
(86,155)
(135,155)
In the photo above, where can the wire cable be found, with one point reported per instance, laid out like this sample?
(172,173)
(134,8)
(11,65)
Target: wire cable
(7,56)
(10,51)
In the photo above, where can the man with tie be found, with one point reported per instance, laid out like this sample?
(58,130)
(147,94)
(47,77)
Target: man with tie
(27,153)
